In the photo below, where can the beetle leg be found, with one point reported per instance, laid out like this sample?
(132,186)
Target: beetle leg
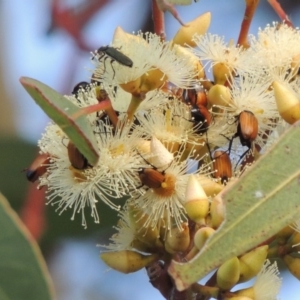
(111,62)
(241,158)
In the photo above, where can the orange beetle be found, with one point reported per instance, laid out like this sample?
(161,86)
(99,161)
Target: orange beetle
(247,129)
(77,160)
(222,166)
(151,178)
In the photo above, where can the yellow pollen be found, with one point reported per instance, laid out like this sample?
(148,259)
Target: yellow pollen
(117,150)
(167,188)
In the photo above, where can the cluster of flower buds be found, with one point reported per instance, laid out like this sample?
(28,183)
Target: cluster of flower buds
(186,118)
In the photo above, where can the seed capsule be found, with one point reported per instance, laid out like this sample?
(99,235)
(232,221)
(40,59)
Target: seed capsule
(77,160)
(38,167)
(222,166)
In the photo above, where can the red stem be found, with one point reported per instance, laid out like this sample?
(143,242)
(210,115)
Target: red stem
(103,105)
(251,6)
(158,20)
(281,13)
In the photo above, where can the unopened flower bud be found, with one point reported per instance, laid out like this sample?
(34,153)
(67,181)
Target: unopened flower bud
(196,202)
(178,240)
(293,264)
(185,34)
(288,104)
(148,235)
(221,72)
(152,80)
(219,95)
(295,64)
(217,211)
(132,87)
(252,262)
(161,157)
(140,246)
(294,242)
(211,187)
(127,261)
(228,274)
(202,235)
(121,37)
(284,234)
(192,59)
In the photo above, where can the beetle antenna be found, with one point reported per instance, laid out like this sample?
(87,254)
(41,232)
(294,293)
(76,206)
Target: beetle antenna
(147,162)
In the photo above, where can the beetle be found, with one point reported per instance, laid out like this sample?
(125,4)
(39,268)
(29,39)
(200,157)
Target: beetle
(115,55)
(195,97)
(77,160)
(151,177)
(247,131)
(201,117)
(38,167)
(82,85)
(222,166)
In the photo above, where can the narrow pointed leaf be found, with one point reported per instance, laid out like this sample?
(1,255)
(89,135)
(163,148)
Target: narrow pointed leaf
(61,110)
(263,201)
(23,272)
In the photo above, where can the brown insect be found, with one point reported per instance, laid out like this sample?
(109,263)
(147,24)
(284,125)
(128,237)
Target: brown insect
(38,167)
(222,166)
(247,131)
(77,160)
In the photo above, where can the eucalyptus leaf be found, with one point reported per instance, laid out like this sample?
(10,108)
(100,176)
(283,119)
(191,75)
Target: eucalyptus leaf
(262,202)
(61,110)
(23,273)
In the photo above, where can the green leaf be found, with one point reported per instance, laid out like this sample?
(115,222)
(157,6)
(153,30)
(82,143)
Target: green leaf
(263,201)
(61,110)
(23,272)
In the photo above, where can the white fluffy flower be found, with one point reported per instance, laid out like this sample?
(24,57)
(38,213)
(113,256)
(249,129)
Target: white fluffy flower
(267,284)
(277,45)
(172,124)
(114,177)
(147,53)
(213,49)
(122,239)
(252,93)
